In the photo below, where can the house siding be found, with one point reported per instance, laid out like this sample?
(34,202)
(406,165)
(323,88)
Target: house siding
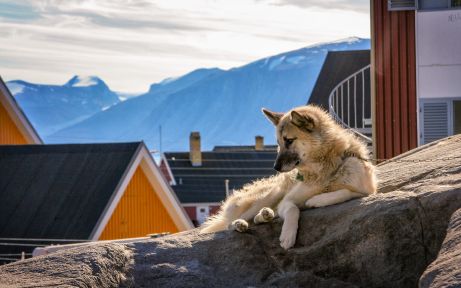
(192,212)
(214,209)
(139,212)
(9,132)
(394,71)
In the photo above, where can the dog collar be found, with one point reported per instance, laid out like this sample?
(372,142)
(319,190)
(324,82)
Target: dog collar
(348,154)
(299,177)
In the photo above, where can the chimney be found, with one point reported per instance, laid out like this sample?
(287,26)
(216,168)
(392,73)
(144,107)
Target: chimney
(195,155)
(259,143)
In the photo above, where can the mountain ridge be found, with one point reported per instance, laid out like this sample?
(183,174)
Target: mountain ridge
(54,107)
(224,105)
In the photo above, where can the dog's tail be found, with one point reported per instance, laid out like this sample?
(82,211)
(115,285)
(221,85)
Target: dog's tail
(215,223)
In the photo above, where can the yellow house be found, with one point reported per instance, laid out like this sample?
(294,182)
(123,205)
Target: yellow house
(14,126)
(70,193)
(143,203)
(85,192)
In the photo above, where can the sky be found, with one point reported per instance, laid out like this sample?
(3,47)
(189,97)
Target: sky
(131,44)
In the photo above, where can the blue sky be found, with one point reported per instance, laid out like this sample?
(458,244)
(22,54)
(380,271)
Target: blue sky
(133,43)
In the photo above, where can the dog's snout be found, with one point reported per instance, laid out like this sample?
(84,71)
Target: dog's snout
(286,161)
(278,166)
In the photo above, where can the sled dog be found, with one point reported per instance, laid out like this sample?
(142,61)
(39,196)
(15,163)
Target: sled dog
(321,164)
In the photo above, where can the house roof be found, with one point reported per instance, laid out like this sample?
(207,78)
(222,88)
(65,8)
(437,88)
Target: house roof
(338,66)
(70,191)
(243,148)
(58,191)
(206,183)
(17,115)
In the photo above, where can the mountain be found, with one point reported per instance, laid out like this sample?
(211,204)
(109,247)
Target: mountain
(53,107)
(224,105)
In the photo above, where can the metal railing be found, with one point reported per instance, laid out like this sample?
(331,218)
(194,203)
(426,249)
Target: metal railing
(15,249)
(350,103)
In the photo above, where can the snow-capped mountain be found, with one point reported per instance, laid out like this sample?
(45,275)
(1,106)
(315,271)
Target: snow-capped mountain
(224,105)
(53,107)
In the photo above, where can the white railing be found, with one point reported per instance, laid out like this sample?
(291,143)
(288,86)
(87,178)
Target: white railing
(350,103)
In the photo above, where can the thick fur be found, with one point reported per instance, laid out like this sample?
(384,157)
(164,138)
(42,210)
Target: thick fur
(332,162)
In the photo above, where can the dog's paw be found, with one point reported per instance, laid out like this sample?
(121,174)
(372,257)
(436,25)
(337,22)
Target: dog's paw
(240,225)
(287,239)
(265,215)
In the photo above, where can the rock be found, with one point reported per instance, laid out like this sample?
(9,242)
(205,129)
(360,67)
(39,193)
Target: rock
(385,240)
(103,265)
(445,271)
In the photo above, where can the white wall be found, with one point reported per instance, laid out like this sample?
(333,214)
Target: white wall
(438,50)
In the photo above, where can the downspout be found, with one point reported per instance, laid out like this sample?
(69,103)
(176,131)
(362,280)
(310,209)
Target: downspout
(373,83)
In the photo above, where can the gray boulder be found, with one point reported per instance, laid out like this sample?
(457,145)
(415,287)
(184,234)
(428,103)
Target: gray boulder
(445,271)
(385,240)
(103,265)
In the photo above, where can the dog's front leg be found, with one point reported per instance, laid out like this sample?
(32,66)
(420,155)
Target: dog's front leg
(288,210)
(290,214)
(332,198)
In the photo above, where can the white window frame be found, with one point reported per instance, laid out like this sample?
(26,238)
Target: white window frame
(449,6)
(395,7)
(450,115)
(197,211)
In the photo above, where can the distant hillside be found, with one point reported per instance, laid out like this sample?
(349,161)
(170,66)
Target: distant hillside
(53,107)
(224,105)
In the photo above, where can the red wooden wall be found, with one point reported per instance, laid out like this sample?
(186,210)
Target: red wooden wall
(164,170)
(394,59)
(192,212)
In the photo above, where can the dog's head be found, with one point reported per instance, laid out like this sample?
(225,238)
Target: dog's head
(297,136)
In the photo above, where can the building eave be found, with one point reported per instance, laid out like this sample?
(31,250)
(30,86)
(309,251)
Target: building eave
(168,168)
(143,159)
(18,116)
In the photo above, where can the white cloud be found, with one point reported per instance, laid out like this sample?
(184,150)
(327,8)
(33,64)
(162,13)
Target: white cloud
(131,44)
(353,5)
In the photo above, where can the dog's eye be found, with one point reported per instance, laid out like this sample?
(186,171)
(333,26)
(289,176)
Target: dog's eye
(289,141)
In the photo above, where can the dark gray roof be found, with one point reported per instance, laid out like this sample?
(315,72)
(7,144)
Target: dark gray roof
(243,148)
(58,191)
(338,66)
(206,183)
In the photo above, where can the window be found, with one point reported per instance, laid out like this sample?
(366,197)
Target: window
(434,121)
(433,4)
(439,118)
(399,5)
(438,4)
(457,117)
(203,211)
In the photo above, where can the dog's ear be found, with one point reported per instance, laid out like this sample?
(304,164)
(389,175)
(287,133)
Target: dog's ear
(304,122)
(274,117)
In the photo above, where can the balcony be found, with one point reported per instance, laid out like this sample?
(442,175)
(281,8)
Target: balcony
(350,104)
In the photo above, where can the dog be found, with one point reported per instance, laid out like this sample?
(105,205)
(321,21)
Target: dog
(321,164)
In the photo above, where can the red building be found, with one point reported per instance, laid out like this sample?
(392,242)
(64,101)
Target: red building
(415,68)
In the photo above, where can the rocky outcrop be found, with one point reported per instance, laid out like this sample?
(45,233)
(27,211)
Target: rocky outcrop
(385,240)
(103,265)
(445,271)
